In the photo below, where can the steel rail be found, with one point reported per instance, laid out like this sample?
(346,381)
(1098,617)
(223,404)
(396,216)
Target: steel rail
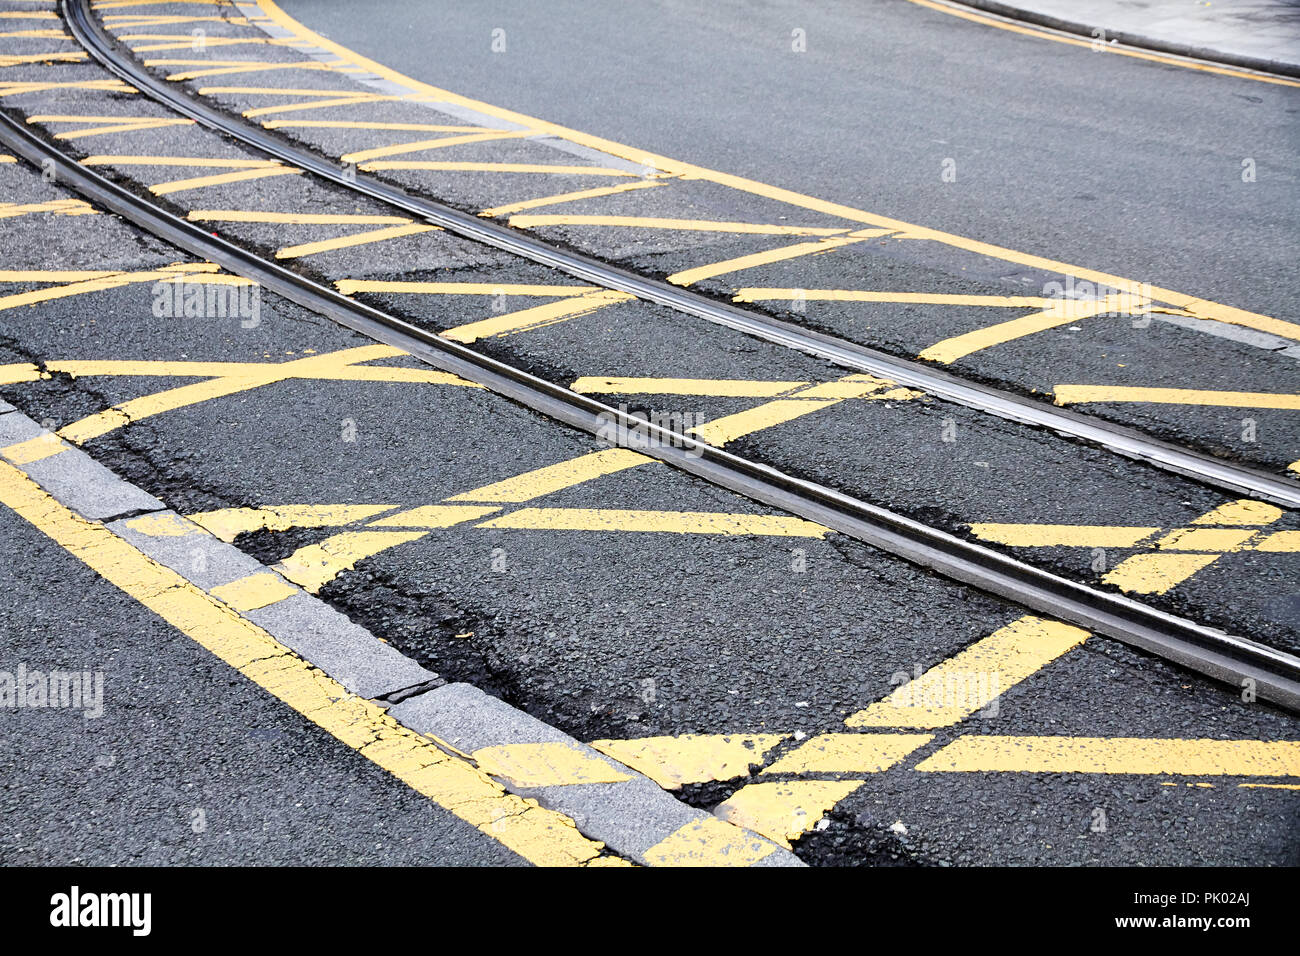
(1229,658)
(1129,442)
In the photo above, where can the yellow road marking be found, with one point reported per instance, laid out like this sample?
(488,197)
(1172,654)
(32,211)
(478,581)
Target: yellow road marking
(1244,511)
(786,810)
(741,263)
(232,66)
(221,179)
(693,758)
(708,842)
(434,516)
(535,317)
(973,678)
(37,34)
(1156,573)
(20,87)
(350,286)
(849,753)
(671,522)
(33,449)
(697,225)
(539,835)
(551,478)
(719,431)
(546,765)
(363,155)
(1078,394)
(971,15)
(452,167)
(315,565)
(64,207)
(1196,758)
(1062,535)
(110,281)
(69,56)
(919,298)
(202,161)
(569,197)
(255,591)
(368,125)
(729,388)
(290,218)
(114,124)
(1280,542)
(356,239)
(1198,307)
(228,523)
(347,100)
(1062,312)
(19,372)
(184,41)
(5,159)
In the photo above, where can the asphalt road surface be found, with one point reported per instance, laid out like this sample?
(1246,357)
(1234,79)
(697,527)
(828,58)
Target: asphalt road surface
(430,603)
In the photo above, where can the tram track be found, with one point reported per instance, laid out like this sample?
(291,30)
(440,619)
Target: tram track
(1126,441)
(1225,657)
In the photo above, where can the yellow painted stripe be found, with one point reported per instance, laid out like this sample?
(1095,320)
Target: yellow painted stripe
(692,758)
(199,161)
(917,298)
(1156,573)
(54,275)
(786,810)
(849,753)
(1280,542)
(221,179)
(33,449)
(15,89)
(64,207)
(535,317)
(315,565)
(671,522)
(1205,539)
(5,159)
(729,388)
(973,678)
(229,523)
(967,14)
(397,149)
(434,516)
(127,125)
(696,225)
(551,478)
(1196,758)
(1242,512)
(246,66)
(552,764)
(1079,394)
(350,99)
(356,239)
(257,590)
(768,415)
(290,218)
(66,56)
(709,842)
(568,197)
(350,286)
(366,124)
(539,835)
(1062,535)
(754,260)
(19,372)
(456,167)
(1061,313)
(110,281)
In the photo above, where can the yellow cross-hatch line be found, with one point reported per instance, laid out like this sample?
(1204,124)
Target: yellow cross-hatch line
(539,835)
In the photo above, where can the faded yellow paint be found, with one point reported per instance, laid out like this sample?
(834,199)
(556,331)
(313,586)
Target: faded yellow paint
(670,522)
(64,207)
(554,764)
(692,758)
(228,523)
(709,842)
(34,449)
(1080,394)
(1119,755)
(849,753)
(315,565)
(541,836)
(786,810)
(257,590)
(1242,512)
(973,678)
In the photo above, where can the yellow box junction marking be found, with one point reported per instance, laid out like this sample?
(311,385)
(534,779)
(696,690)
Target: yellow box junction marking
(1171,558)
(541,836)
(1083,394)
(880,225)
(107,124)
(1192,758)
